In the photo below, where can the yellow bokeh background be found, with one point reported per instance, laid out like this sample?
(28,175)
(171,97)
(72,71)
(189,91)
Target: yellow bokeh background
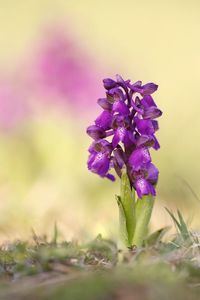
(43,174)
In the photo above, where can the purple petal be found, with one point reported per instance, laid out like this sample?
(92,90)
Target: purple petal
(119,78)
(95,132)
(146,127)
(136,84)
(135,104)
(120,107)
(119,121)
(100,146)
(111,177)
(99,163)
(115,94)
(90,160)
(149,88)
(152,174)
(145,141)
(104,120)
(129,139)
(122,82)
(147,101)
(109,83)
(156,144)
(118,136)
(143,187)
(155,125)
(91,148)
(136,87)
(119,155)
(150,109)
(117,168)
(152,113)
(105,104)
(139,158)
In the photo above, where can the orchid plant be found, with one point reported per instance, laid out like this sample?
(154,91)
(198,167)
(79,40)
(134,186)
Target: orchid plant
(122,136)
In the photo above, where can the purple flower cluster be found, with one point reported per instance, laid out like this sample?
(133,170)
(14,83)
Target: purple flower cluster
(124,132)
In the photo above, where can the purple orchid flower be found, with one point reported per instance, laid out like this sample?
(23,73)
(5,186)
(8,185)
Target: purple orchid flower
(124,132)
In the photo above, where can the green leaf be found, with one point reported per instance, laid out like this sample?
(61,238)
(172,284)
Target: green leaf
(128,204)
(184,230)
(181,225)
(173,218)
(122,222)
(143,210)
(156,236)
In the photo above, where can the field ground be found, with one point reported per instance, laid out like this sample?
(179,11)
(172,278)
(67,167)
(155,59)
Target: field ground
(43,269)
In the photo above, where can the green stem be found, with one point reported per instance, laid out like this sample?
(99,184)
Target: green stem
(143,211)
(134,216)
(126,204)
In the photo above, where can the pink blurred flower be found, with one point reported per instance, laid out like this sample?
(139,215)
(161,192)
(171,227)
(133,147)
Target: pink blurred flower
(63,73)
(57,74)
(13,108)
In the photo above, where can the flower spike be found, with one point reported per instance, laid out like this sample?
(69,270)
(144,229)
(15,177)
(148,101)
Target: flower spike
(128,122)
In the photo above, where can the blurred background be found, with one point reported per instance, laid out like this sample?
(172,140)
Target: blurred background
(53,57)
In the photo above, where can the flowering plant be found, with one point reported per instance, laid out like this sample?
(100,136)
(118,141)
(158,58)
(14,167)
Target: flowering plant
(122,136)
